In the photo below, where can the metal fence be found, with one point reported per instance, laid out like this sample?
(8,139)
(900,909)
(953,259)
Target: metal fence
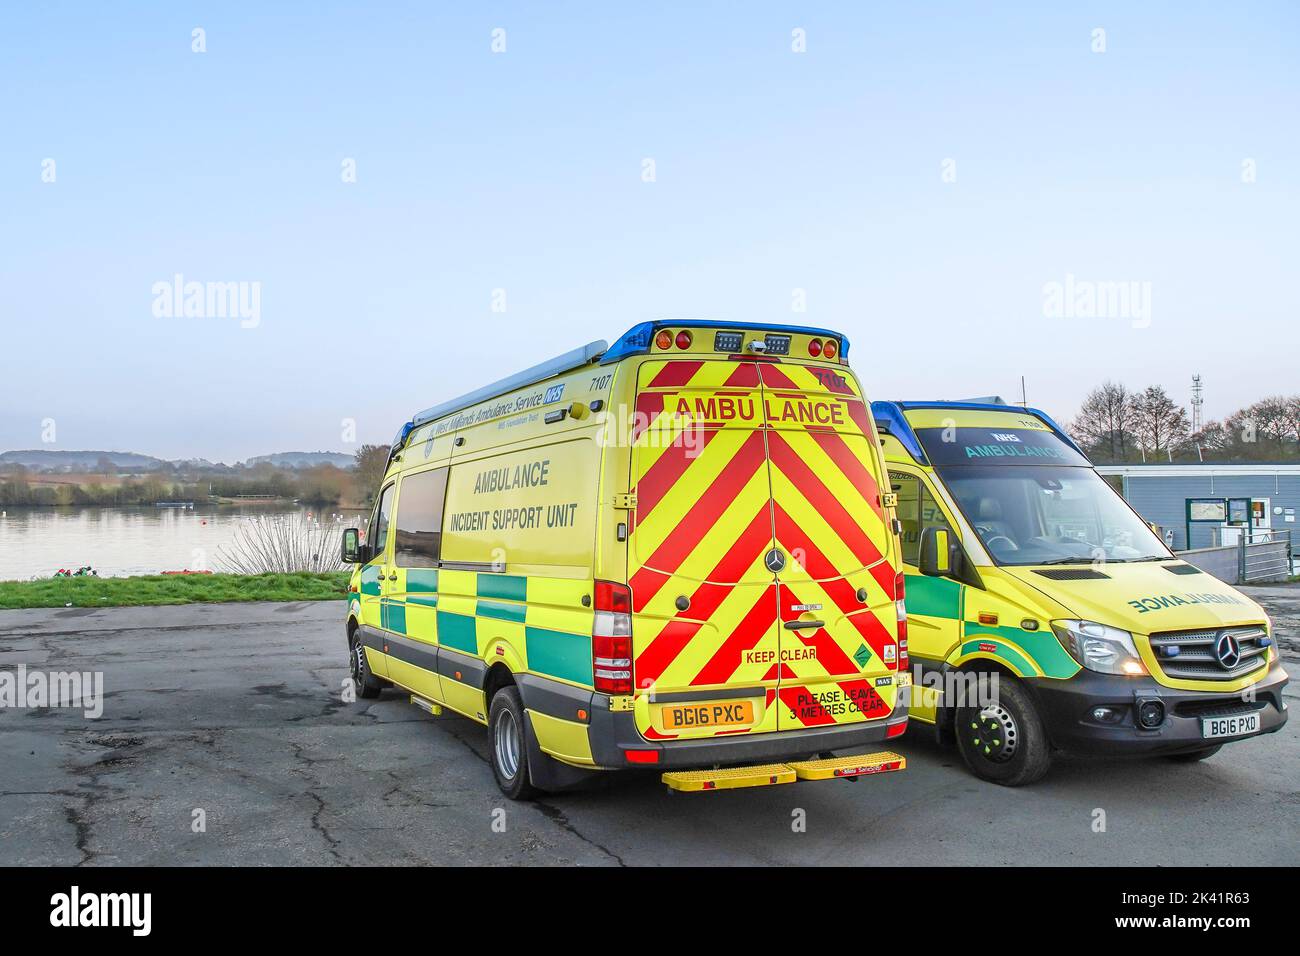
(1258,555)
(1264,555)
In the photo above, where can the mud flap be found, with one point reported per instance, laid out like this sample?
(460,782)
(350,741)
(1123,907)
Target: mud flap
(546,772)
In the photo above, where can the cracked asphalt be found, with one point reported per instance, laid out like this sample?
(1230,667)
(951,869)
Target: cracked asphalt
(232,717)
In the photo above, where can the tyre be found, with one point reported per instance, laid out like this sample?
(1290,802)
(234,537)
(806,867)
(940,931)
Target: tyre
(1004,742)
(1195,755)
(364,683)
(509,745)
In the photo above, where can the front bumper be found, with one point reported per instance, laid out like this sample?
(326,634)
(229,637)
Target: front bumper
(1067,707)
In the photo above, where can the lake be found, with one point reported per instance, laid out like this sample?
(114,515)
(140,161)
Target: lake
(36,542)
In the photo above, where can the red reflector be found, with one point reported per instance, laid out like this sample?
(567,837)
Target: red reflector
(641,756)
(664,339)
(815,347)
(683,340)
(829,348)
(895,730)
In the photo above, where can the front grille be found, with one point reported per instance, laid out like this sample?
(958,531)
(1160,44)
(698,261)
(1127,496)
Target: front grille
(1216,708)
(1197,659)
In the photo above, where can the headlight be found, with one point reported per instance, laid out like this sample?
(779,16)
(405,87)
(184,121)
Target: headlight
(1107,650)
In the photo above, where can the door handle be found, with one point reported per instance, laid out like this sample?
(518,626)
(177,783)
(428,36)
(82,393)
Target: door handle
(393,576)
(802,625)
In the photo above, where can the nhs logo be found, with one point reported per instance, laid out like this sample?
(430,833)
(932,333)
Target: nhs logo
(1005,436)
(553,394)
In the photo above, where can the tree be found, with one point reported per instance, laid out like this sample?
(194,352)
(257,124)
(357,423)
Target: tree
(1268,428)
(1213,440)
(1160,426)
(372,462)
(1104,424)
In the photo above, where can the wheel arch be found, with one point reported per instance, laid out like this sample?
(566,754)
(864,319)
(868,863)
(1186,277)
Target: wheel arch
(498,676)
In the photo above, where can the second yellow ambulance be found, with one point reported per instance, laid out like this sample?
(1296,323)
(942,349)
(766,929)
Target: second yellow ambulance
(1022,562)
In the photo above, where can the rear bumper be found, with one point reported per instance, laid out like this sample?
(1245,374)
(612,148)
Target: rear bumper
(1067,707)
(612,734)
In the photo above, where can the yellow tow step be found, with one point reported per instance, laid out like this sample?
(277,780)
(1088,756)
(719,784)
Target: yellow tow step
(729,778)
(857,765)
(767,775)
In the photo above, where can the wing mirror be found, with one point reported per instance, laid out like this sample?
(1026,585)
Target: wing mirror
(354,552)
(940,556)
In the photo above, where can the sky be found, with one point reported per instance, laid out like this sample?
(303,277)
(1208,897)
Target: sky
(419,213)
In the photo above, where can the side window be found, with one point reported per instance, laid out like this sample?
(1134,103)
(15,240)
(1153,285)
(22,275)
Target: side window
(378,536)
(419,520)
(917,510)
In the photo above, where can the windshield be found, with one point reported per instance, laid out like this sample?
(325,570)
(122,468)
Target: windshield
(1049,514)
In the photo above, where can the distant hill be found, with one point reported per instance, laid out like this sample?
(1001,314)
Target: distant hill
(49,460)
(304,459)
(57,461)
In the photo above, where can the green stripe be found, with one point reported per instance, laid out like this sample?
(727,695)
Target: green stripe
(422,580)
(431,601)
(370,579)
(507,587)
(933,597)
(458,631)
(567,656)
(1048,654)
(1042,646)
(1008,654)
(393,616)
(502,612)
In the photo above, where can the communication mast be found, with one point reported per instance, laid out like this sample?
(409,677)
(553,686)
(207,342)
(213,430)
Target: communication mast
(1197,401)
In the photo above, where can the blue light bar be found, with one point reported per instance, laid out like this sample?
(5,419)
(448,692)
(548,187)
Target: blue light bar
(637,339)
(891,421)
(889,416)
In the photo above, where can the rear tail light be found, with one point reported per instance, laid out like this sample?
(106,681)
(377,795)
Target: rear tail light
(664,339)
(815,347)
(683,340)
(611,638)
(829,349)
(899,593)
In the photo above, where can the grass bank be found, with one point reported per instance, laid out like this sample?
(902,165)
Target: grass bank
(173,589)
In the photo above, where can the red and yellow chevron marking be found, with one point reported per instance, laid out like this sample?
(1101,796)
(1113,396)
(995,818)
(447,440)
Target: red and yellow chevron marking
(828,515)
(730,459)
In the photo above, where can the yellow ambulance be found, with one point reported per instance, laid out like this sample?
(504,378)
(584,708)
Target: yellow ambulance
(1021,561)
(675,553)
